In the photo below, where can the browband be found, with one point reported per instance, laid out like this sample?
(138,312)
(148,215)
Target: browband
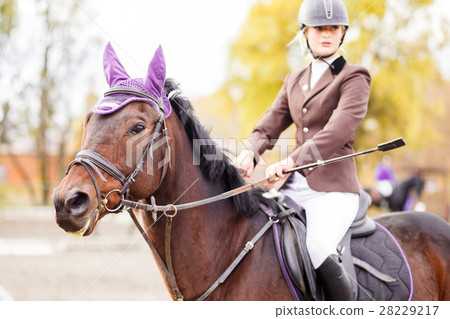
(125,90)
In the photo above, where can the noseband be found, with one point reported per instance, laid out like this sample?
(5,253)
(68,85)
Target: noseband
(93,161)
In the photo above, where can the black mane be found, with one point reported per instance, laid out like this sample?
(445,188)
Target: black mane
(219,169)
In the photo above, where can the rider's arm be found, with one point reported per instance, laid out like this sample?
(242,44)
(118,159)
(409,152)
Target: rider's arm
(274,121)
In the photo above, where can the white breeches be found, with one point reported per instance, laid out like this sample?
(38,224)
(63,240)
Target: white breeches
(328,216)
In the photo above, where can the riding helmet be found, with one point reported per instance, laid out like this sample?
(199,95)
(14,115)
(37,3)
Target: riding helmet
(316,13)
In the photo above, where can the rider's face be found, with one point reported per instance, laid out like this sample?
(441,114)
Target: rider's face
(324,40)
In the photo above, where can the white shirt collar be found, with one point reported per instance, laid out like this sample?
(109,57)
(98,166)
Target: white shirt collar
(318,68)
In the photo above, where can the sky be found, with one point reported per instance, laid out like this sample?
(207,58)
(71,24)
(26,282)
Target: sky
(195,36)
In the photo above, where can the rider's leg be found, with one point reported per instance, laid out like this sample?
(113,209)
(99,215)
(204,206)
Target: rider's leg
(329,215)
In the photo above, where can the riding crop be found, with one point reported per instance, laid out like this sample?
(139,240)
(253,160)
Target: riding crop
(383,147)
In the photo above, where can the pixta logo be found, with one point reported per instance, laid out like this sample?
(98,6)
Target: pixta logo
(147,144)
(210,149)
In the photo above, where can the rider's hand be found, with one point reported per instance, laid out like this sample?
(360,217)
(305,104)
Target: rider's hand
(277,170)
(245,162)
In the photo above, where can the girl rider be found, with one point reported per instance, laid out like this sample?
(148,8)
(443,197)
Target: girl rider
(326,101)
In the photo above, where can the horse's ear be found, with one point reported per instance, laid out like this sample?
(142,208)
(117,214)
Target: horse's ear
(114,70)
(156,74)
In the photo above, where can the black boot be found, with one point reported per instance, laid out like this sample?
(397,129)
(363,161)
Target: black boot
(335,281)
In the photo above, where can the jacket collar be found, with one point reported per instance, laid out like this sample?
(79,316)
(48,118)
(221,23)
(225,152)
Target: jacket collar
(338,65)
(325,80)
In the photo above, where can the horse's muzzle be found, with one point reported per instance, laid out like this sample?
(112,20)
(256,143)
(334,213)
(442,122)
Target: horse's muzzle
(73,211)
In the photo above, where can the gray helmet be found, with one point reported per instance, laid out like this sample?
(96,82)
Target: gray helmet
(316,13)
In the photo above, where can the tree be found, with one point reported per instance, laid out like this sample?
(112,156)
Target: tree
(7,18)
(60,68)
(399,56)
(258,61)
(7,22)
(47,75)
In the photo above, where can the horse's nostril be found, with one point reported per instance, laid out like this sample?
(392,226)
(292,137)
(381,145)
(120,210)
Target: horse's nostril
(77,202)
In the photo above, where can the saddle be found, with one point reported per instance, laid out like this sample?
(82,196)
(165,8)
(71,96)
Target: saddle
(369,252)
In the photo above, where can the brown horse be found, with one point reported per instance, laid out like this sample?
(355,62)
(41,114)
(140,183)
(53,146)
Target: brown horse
(206,239)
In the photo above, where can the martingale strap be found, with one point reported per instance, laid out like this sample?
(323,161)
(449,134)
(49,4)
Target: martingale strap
(248,246)
(167,270)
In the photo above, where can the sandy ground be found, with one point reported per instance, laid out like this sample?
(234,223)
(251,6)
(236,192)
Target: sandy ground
(39,261)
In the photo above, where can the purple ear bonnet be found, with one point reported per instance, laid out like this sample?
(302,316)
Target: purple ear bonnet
(118,78)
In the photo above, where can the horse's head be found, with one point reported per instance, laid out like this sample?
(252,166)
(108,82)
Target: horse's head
(418,183)
(118,143)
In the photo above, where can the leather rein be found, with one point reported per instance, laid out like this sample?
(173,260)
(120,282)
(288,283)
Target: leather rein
(93,161)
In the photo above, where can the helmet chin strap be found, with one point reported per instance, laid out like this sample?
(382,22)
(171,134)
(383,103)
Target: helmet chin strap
(322,57)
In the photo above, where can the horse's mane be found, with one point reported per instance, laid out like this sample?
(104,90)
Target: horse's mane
(220,168)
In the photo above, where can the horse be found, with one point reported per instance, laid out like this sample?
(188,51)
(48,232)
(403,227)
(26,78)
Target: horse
(400,195)
(184,166)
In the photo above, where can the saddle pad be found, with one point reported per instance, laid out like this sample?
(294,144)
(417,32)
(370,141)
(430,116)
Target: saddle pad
(383,253)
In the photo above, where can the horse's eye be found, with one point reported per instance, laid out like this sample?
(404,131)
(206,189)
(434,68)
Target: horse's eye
(138,128)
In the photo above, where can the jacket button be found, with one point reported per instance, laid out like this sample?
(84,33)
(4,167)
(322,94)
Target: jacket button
(305,130)
(304,110)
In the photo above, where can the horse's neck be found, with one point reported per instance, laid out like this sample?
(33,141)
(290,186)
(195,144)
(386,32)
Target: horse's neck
(204,240)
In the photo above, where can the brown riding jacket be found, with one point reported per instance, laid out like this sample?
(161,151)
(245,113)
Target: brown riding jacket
(326,118)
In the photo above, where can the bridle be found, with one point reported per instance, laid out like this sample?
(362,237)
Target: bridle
(93,161)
